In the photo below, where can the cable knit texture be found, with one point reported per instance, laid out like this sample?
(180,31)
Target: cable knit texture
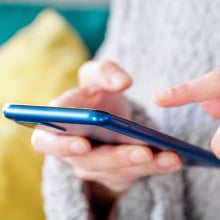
(160,43)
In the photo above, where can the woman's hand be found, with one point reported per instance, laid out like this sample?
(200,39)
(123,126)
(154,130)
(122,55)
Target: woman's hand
(204,90)
(116,167)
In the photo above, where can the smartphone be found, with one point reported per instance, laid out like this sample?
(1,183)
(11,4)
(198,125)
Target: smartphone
(105,127)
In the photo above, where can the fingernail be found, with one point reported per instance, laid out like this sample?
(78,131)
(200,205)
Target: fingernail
(117,79)
(139,156)
(168,162)
(77,147)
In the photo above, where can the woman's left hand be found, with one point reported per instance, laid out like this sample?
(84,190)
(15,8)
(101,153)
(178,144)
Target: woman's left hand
(204,90)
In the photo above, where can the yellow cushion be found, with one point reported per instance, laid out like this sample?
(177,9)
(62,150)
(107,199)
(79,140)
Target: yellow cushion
(36,64)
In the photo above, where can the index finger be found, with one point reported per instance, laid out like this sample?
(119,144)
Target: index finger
(48,143)
(201,89)
(103,75)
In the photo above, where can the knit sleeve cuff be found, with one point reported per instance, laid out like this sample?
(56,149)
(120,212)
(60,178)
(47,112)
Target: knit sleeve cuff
(63,192)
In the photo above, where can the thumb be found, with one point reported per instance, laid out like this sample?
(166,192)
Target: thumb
(103,75)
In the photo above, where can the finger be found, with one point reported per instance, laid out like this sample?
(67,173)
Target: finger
(212,107)
(198,90)
(104,75)
(166,161)
(163,162)
(113,180)
(49,143)
(107,158)
(68,97)
(111,157)
(120,178)
(215,144)
(82,98)
(78,98)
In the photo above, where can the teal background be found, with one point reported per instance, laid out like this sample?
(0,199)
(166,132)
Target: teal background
(90,22)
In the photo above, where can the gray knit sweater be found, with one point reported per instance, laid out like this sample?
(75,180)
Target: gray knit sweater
(160,43)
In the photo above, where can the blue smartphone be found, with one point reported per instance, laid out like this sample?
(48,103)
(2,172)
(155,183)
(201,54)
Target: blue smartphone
(105,127)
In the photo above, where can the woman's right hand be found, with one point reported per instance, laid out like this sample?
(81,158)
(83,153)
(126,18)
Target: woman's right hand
(116,167)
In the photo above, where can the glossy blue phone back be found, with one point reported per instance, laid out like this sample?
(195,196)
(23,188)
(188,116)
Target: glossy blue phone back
(116,129)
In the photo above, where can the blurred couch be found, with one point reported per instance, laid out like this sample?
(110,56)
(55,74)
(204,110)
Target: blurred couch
(89,21)
(41,51)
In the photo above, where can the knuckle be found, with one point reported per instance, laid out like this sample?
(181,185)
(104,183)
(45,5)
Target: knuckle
(118,158)
(124,175)
(60,147)
(59,151)
(89,167)
(182,89)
